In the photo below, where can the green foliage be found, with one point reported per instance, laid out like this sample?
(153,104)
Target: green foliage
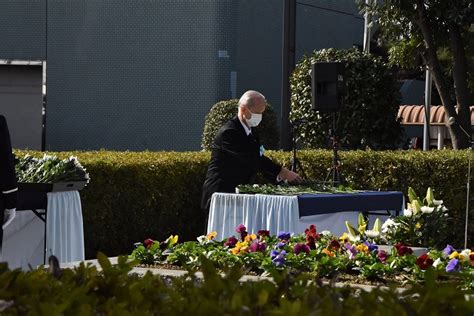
(223,111)
(137,195)
(114,291)
(369,115)
(49,169)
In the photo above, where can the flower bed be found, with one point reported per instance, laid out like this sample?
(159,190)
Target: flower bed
(318,253)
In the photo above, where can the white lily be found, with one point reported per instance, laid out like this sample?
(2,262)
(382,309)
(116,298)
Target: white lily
(427,209)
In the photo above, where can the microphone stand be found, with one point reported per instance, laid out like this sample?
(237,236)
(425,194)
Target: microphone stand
(295,163)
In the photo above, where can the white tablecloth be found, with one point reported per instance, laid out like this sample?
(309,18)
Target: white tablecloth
(272,212)
(23,239)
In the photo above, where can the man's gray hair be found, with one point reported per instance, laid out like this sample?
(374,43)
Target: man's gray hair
(246,100)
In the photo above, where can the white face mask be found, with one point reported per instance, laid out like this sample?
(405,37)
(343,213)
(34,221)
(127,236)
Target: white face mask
(254,120)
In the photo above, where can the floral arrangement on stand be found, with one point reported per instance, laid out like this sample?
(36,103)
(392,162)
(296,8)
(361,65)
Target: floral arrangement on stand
(49,169)
(424,223)
(319,253)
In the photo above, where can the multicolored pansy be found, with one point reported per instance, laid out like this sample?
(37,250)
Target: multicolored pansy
(263,233)
(424,261)
(334,244)
(363,248)
(351,250)
(250,237)
(372,247)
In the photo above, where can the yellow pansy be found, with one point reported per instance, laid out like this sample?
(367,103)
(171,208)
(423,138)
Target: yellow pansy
(250,237)
(453,255)
(344,237)
(171,240)
(418,225)
(363,248)
(211,235)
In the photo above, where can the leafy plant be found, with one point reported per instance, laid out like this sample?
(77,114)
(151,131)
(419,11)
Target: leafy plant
(371,101)
(223,111)
(425,222)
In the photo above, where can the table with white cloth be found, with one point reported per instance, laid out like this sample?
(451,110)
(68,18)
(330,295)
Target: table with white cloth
(24,238)
(294,213)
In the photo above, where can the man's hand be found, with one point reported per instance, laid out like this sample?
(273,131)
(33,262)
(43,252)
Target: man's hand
(289,176)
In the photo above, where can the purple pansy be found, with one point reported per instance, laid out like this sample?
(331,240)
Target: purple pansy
(240,229)
(453,266)
(281,245)
(284,235)
(257,246)
(448,250)
(278,258)
(299,248)
(382,255)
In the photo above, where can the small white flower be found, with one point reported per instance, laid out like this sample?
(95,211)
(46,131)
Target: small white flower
(202,239)
(427,209)
(437,262)
(444,209)
(255,185)
(372,233)
(464,255)
(408,212)
(326,233)
(388,225)
(437,202)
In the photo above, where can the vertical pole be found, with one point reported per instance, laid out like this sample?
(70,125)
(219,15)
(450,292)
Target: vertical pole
(426,125)
(367,36)
(288,65)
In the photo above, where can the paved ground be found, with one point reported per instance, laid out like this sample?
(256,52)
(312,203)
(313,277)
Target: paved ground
(178,273)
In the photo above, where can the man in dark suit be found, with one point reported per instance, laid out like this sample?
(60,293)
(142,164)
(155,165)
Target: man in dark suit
(237,154)
(8,184)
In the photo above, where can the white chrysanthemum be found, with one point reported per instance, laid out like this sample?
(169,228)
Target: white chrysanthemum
(388,225)
(427,209)
(372,233)
(464,255)
(326,233)
(408,212)
(353,238)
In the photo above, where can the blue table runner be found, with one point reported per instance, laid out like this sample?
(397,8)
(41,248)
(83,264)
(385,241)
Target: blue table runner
(315,204)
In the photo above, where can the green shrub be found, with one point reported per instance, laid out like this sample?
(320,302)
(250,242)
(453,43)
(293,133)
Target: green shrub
(137,195)
(223,111)
(369,115)
(113,291)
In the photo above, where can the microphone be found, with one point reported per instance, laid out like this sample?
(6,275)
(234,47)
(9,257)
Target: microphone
(452,121)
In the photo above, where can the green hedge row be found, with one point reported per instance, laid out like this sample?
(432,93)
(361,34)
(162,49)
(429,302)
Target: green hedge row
(85,291)
(138,195)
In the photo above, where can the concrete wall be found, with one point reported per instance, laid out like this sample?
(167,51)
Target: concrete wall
(21,104)
(135,75)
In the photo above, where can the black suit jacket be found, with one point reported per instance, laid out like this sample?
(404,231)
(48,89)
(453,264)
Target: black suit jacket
(235,160)
(8,184)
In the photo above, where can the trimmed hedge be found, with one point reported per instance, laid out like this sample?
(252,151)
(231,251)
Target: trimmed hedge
(137,195)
